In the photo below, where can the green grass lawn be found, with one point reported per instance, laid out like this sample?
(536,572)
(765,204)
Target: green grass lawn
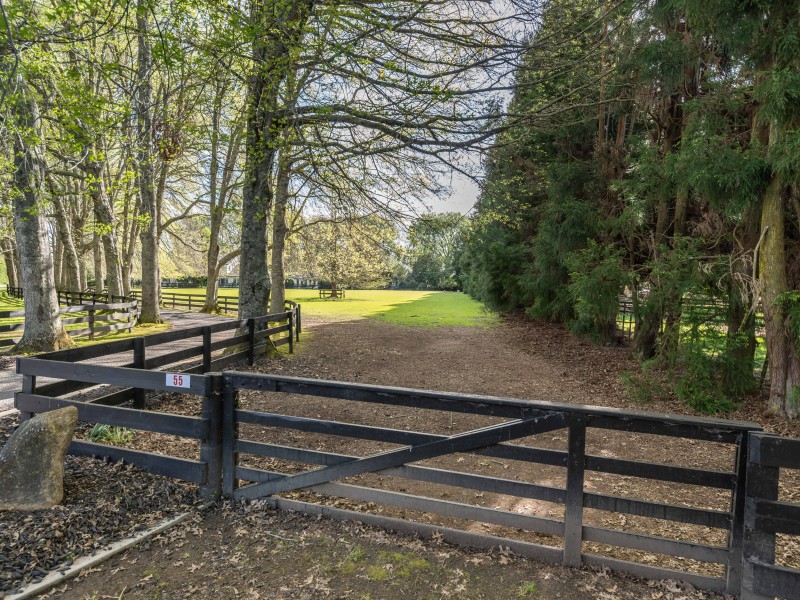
(398,307)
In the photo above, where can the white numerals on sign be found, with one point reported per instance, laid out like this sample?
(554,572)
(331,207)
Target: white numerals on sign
(179,380)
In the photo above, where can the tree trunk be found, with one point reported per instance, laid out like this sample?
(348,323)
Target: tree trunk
(277,33)
(104,217)
(129,243)
(216,209)
(58,260)
(782,345)
(737,377)
(279,232)
(212,283)
(43,328)
(151,277)
(8,246)
(83,285)
(70,269)
(645,340)
(99,273)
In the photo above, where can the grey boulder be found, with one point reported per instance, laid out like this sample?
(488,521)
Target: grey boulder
(32,461)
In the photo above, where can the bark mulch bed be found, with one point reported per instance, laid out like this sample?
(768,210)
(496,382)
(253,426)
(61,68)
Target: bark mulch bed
(103,503)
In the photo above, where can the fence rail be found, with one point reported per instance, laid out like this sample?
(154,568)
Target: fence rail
(709,312)
(224,303)
(193,301)
(138,377)
(119,312)
(527,418)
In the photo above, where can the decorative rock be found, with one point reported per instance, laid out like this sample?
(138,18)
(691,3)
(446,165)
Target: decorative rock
(32,461)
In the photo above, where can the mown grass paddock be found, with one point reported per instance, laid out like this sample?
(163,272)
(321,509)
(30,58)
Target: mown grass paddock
(412,308)
(446,475)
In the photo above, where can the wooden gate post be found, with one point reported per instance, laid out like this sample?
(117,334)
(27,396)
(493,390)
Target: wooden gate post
(291,332)
(759,546)
(206,349)
(573,513)
(211,447)
(230,432)
(733,571)
(28,387)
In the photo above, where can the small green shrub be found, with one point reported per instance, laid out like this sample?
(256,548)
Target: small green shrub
(699,384)
(598,277)
(646,386)
(527,589)
(110,433)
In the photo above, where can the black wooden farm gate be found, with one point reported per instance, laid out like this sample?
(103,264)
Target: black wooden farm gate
(737,542)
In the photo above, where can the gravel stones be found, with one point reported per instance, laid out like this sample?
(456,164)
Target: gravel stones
(103,502)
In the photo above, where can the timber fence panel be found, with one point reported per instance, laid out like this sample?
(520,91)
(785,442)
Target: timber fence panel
(136,381)
(156,422)
(575,460)
(158,464)
(152,380)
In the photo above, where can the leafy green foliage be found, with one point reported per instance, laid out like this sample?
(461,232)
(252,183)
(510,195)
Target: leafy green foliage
(597,279)
(110,433)
(565,228)
(648,179)
(434,243)
(699,385)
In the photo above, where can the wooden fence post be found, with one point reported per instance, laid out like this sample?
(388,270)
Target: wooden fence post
(91,323)
(139,362)
(28,387)
(573,513)
(211,447)
(251,341)
(230,432)
(759,546)
(291,332)
(206,349)
(733,571)
(298,325)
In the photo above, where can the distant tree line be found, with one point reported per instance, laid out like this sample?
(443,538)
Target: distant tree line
(664,165)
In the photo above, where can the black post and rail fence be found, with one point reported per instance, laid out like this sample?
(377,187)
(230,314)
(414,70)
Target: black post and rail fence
(193,302)
(237,455)
(102,313)
(767,516)
(228,444)
(138,375)
(120,312)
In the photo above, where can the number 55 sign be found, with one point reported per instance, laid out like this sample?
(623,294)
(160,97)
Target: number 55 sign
(178,380)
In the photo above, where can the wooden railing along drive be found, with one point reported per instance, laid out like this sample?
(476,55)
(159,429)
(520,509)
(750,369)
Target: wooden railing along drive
(140,358)
(229,460)
(193,301)
(117,312)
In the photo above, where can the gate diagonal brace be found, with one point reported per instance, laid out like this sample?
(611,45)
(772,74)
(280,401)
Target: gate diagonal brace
(462,442)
